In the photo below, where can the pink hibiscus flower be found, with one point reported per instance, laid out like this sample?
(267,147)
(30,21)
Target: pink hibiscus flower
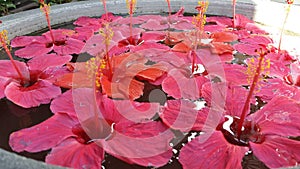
(265,133)
(74,134)
(66,42)
(36,88)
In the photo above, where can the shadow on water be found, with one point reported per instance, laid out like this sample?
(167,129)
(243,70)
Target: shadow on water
(13,118)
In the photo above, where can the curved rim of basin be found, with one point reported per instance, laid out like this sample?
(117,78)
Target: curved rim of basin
(260,11)
(33,20)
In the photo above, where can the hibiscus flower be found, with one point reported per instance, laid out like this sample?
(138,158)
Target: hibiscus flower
(37,86)
(265,133)
(66,42)
(77,134)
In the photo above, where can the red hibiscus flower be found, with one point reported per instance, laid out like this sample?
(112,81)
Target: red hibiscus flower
(78,134)
(65,43)
(36,88)
(266,133)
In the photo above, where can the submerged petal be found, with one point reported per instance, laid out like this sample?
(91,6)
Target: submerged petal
(71,153)
(44,135)
(215,153)
(277,152)
(146,144)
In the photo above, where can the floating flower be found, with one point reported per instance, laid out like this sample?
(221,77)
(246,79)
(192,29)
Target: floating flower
(65,43)
(265,133)
(37,87)
(77,131)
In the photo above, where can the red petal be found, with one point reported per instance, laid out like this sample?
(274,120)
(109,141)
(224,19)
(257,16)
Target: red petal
(119,110)
(182,24)
(40,92)
(154,25)
(248,49)
(278,87)
(223,37)
(153,36)
(7,69)
(183,115)
(71,153)
(215,153)
(42,62)
(63,103)
(277,152)
(74,80)
(236,74)
(222,21)
(258,39)
(72,46)
(43,136)
(214,28)
(3,82)
(281,116)
(181,47)
(32,50)
(21,41)
(178,85)
(221,48)
(242,21)
(151,138)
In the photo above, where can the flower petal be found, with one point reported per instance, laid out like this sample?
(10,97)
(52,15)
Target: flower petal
(215,153)
(281,116)
(32,50)
(71,153)
(7,69)
(40,92)
(63,103)
(151,138)
(3,82)
(43,136)
(42,62)
(72,46)
(177,85)
(183,115)
(277,152)
(21,41)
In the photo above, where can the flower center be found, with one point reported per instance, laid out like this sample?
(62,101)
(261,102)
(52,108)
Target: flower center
(250,131)
(97,129)
(56,43)
(82,137)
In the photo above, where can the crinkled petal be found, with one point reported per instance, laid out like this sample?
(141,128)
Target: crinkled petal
(277,152)
(3,82)
(145,144)
(280,116)
(119,110)
(215,152)
(72,46)
(43,62)
(246,48)
(154,25)
(21,41)
(40,92)
(43,136)
(7,69)
(179,86)
(33,50)
(183,115)
(71,153)
(223,37)
(63,103)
